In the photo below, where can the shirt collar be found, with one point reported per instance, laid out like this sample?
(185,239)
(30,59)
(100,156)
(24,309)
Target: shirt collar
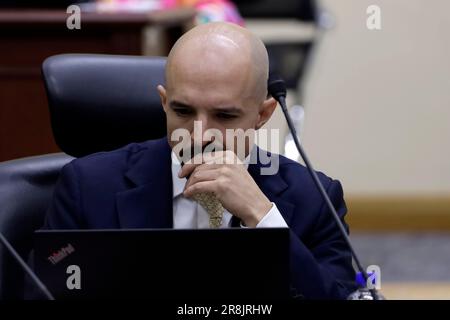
(177,183)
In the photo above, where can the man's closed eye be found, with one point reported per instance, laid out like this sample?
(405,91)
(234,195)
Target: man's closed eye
(183,112)
(226,116)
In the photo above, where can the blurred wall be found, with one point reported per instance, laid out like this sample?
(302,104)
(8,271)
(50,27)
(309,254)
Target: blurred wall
(378,110)
(378,102)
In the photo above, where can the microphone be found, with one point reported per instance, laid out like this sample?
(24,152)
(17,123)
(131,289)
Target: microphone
(26,268)
(277,90)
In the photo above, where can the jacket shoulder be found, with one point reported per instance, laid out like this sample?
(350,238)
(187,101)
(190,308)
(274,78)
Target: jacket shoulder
(107,164)
(297,174)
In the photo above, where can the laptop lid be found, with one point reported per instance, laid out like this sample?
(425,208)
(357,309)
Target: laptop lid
(205,264)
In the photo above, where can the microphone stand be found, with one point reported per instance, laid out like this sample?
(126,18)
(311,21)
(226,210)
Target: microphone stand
(26,268)
(277,89)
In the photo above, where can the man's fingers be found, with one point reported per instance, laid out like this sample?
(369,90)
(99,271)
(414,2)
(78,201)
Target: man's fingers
(190,165)
(217,158)
(203,173)
(189,169)
(199,187)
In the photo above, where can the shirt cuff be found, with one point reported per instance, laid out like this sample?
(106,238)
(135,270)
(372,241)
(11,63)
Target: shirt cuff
(273,219)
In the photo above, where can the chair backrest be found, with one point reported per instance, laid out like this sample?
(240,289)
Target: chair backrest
(26,187)
(97,103)
(304,10)
(103,102)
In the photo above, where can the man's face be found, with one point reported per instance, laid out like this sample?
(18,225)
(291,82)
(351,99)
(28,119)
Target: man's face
(218,99)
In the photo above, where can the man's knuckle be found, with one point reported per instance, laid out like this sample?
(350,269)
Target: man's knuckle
(223,184)
(195,175)
(224,170)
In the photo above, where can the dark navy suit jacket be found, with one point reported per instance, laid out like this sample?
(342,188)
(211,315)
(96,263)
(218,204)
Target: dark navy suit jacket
(132,188)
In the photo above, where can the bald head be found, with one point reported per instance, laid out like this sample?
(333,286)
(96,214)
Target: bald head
(216,76)
(220,49)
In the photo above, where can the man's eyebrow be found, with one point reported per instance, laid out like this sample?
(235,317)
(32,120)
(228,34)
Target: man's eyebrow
(178,104)
(230,109)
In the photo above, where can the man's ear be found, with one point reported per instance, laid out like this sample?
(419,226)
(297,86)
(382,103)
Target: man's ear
(163,95)
(265,111)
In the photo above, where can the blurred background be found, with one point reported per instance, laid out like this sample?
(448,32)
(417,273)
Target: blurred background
(371,106)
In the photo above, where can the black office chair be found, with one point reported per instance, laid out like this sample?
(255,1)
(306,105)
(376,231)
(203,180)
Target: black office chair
(288,59)
(103,102)
(97,103)
(26,186)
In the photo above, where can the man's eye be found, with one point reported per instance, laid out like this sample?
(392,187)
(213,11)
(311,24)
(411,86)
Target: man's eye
(226,116)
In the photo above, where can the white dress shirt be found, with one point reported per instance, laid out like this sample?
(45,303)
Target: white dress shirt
(188,214)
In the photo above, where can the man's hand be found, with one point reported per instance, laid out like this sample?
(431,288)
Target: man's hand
(224,174)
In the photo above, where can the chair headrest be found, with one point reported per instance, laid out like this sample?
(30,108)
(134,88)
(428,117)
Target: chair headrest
(102,102)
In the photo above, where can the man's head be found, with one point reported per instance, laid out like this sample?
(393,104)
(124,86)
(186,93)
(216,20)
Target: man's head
(217,74)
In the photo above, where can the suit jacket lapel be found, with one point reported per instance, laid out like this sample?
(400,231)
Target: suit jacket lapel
(148,204)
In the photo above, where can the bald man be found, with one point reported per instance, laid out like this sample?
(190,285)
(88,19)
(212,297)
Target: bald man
(216,80)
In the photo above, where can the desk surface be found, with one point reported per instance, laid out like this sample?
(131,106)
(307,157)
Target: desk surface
(416,290)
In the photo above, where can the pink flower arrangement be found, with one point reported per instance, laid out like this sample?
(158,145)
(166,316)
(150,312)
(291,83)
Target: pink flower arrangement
(209,10)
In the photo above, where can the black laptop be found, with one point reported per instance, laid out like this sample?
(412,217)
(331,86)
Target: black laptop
(165,264)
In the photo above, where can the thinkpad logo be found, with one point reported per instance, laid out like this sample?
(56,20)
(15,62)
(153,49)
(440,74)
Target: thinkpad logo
(57,256)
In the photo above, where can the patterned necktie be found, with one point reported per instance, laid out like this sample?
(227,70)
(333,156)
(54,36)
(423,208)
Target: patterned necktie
(213,207)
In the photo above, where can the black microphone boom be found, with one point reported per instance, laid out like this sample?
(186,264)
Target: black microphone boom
(26,268)
(277,90)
